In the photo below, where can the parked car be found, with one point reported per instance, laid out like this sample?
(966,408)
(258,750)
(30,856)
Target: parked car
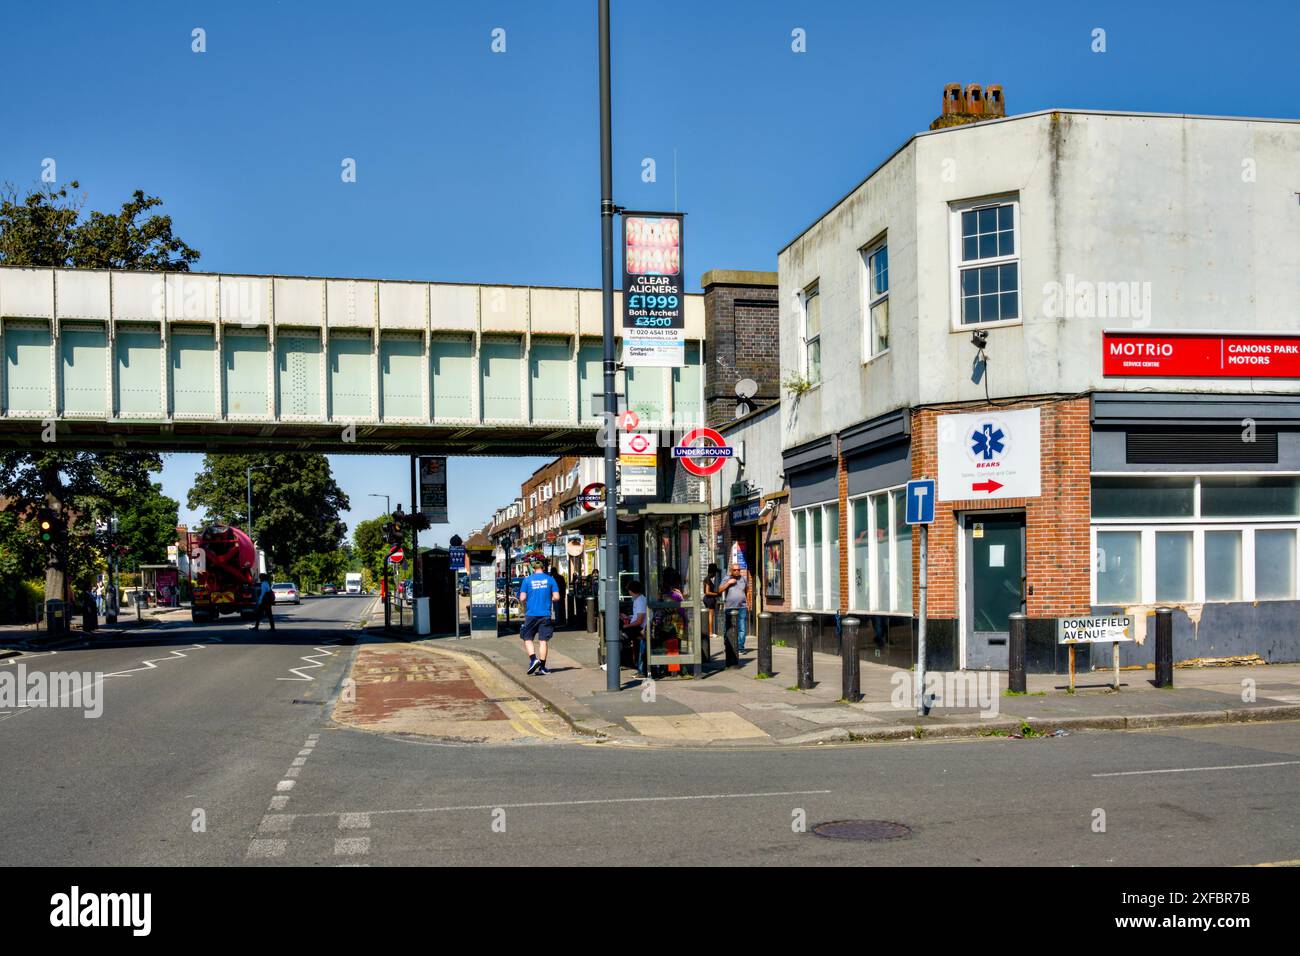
(328,589)
(286,592)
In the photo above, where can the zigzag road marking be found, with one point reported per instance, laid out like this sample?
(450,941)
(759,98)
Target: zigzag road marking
(314,664)
(151,664)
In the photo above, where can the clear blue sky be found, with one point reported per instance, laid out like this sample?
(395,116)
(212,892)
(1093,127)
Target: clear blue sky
(482,166)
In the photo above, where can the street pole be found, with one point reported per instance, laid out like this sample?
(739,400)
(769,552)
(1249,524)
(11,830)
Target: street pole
(921,708)
(417,580)
(613,680)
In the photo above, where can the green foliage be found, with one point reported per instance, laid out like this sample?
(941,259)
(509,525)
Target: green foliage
(146,527)
(370,550)
(46,228)
(296,502)
(313,570)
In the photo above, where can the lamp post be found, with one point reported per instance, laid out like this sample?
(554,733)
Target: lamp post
(388,510)
(613,680)
(248,474)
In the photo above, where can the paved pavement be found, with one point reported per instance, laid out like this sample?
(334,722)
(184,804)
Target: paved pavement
(735,707)
(217,746)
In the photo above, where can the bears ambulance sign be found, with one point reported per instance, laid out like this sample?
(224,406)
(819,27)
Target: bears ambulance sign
(1199,355)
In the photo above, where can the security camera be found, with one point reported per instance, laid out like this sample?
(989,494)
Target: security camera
(979,338)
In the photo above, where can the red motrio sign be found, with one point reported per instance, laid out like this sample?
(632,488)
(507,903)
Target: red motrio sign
(1200,354)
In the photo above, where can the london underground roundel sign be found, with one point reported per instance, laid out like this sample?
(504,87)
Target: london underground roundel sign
(702,451)
(592,496)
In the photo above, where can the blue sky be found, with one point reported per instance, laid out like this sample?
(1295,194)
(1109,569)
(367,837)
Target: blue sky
(482,166)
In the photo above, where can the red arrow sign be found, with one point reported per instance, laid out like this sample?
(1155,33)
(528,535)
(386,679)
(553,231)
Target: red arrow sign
(990,486)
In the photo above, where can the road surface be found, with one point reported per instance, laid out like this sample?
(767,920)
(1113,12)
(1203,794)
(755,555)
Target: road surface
(216,746)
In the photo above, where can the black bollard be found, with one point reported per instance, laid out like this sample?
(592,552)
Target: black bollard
(730,623)
(850,680)
(805,651)
(765,644)
(591,615)
(1016,653)
(706,651)
(1164,647)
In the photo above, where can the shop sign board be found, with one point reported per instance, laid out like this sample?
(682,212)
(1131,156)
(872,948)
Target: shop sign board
(1200,354)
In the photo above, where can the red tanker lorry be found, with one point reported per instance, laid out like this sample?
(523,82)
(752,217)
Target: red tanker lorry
(224,568)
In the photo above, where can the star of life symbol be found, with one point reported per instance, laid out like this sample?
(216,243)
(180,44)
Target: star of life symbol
(987,441)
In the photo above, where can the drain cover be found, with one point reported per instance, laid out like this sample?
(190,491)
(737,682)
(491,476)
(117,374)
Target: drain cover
(867,830)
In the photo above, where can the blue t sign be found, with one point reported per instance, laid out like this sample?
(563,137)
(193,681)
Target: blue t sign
(920,501)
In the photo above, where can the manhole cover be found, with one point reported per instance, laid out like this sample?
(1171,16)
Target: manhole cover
(867,830)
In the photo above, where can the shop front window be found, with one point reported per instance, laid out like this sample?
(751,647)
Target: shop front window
(1119,567)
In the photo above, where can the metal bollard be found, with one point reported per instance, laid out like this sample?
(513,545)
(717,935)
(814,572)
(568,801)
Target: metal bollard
(729,625)
(850,678)
(1164,647)
(591,615)
(706,651)
(805,651)
(765,644)
(1016,653)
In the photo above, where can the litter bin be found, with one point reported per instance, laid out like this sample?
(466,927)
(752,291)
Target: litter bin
(56,618)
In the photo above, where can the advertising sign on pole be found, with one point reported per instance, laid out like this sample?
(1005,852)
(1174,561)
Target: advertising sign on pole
(990,455)
(639,465)
(433,488)
(654,314)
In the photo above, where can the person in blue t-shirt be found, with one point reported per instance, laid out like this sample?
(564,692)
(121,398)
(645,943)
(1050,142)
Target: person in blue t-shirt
(537,594)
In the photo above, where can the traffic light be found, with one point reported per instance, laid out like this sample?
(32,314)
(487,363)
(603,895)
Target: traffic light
(388,533)
(46,526)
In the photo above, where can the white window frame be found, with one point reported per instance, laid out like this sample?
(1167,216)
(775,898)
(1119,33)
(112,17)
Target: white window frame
(958,266)
(1198,525)
(890,543)
(870,299)
(803,552)
(809,291)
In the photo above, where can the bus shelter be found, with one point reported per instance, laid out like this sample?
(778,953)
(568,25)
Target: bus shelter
(662,545)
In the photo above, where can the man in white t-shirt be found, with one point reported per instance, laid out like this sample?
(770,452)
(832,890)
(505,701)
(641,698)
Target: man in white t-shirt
(634,625)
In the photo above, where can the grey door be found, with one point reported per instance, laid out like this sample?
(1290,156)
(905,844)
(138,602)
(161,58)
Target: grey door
(995,585)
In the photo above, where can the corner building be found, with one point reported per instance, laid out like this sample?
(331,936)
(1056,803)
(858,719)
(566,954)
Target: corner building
(1101,311)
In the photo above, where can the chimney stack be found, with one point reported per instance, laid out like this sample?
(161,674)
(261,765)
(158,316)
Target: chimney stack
(970,105)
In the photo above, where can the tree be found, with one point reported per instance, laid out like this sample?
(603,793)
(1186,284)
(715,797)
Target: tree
(82,489)
(320,567)
(296,502)
(146,527)
(46,228)
(369,545)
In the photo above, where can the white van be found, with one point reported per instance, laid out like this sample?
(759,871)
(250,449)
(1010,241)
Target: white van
(352,583)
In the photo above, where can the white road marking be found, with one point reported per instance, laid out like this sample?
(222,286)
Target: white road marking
(311,740)
(314,664)
(582,803)
(292,772)
(284,785)
(278,803)
(354,821)
(352,846)
(1236,766)
(276,823)
(306,751)
(151,663)
(265,849)
(298,761)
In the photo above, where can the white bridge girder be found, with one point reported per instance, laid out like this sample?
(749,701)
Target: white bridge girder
(191,361)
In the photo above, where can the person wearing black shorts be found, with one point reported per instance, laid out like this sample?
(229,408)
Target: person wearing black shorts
(538,594)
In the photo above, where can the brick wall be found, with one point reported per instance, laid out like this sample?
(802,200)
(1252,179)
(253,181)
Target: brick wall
(843,477)
(742,340)
(1056,523)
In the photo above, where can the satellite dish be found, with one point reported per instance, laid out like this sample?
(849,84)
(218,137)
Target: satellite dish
(746,388)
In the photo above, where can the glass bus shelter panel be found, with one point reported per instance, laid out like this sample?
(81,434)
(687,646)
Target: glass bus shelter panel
(672,545)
